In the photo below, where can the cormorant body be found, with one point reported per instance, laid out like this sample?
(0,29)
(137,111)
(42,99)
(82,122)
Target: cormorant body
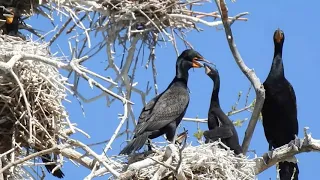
(279,111)
(12,21)
(220,126)
(163,113)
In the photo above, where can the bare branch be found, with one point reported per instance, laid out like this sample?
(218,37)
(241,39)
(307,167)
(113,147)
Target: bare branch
(306,144)
(255,81)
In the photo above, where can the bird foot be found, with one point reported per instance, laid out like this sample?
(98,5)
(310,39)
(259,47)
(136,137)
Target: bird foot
(294,144)
(297,141)
(269,156)
(149,144)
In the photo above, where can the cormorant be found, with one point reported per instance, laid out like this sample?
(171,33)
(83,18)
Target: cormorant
(12,21)
(279,111)
(46,158)
(163,113)
(220,126)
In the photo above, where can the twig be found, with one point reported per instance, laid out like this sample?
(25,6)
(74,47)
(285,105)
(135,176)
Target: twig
(306,144)
(60,31)
(123,119)
(196,20)
(19,161)
(96,156)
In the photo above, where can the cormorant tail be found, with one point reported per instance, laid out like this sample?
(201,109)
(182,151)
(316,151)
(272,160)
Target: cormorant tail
(288,170)
(135,144)
(218,132)
(57,173)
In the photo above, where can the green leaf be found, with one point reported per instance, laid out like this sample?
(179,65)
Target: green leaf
(238,122)
(198,134)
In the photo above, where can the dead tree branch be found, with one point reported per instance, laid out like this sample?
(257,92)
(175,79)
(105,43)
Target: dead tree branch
(285,152)
(250,74)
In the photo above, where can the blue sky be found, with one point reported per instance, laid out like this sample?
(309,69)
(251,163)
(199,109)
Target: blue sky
(254,41)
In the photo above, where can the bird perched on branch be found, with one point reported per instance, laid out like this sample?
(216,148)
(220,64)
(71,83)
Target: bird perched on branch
(226,131)
(46,158)
(279,111)
(163,113)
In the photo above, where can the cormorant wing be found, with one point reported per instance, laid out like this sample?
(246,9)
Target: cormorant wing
(171,105)
(147,109)
(221,117)
(222,132)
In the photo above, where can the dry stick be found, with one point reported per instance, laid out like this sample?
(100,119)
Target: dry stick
(75,24)
(179,171)
(96,156)
(82,159)
(152,57)
(174,42)
(255,81)
(124,75)
(133,167)
(103,142)
(113,137)
(60,31)
(196,20)
(47,151)
(23,94)
(230,113)
(306,144)
(75,63)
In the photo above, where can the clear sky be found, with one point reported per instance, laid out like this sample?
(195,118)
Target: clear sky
(297,19)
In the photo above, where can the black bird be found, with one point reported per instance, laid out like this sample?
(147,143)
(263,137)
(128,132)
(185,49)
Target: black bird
(46,158)
(163,113)
(279,111)
(12,21)
(226,131)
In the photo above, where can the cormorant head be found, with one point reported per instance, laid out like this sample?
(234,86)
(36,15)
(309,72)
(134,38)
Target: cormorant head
(190,58)
(211,71)
(278,36)
(9,17)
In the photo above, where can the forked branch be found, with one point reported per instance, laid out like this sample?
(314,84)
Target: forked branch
(285,152)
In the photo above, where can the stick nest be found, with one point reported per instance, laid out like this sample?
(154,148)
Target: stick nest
(206,161)
(148,14)
(44,90)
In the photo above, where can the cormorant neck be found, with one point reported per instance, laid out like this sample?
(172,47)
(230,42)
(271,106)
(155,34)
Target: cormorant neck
(277,63)
(215,91)
(214,104)
(181,71)
(278,49)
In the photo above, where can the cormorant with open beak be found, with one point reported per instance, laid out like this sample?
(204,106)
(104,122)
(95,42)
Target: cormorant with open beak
(163,114)
(12,21)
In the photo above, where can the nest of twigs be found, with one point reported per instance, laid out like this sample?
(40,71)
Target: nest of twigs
(149,14)
(206,161)
(32,115)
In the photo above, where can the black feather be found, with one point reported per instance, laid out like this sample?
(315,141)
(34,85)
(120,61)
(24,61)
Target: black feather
(46,158)
(279,111)
(216,116)
(163,113)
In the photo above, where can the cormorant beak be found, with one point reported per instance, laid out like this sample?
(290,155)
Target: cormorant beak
(9,18)
(279,36)
(182,136)
(197,64)
(207,69)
